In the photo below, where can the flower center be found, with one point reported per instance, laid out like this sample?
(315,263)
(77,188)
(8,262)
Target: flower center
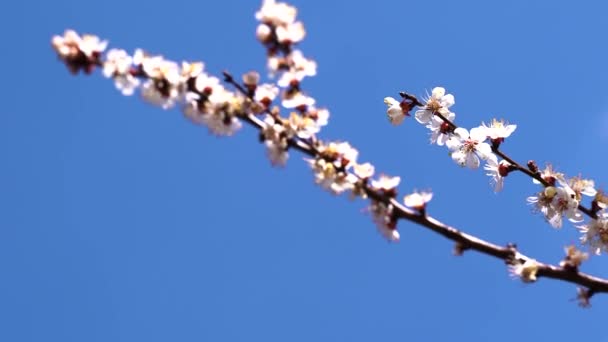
(469,146)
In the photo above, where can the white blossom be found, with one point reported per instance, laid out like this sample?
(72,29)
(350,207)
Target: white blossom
(556,202)
(275,141)
(438,102)
(418,200)
(467,149)
(299,68)
(497,171)
(498,129)
(395,112)
(364,171)
(440,130)
(276,13)
(118,66)
(290,33)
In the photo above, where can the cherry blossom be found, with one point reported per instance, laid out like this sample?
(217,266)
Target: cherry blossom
(418,200)
(118,66)
(466,149)
(441,130)
(396,111)
(498,129)
(556,202)
(497,171)
(438,102)
(595,233)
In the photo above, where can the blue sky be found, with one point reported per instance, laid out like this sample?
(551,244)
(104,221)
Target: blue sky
(123,222)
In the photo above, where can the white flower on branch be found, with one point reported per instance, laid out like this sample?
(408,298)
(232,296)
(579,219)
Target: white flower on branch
(498,130)
(582,186)
(556,202)
(440,130)
(467,149)
(438,102)
(332,167)
(118,66)
(595,233)
(296,99)
(550,176)
(497,171)
(276,13)
(275,139)
(364,171)
(164,84)
(386,184)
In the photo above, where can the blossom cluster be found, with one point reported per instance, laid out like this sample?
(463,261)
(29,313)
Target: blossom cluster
(279,31)
(560,197)
(204,100)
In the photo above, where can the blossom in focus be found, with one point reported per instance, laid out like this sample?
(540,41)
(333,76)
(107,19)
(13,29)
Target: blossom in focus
(497,171)
(438,102)
(467,149)
(498,129)
(556,202)
(440,130)
(582,186)
(291,33)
